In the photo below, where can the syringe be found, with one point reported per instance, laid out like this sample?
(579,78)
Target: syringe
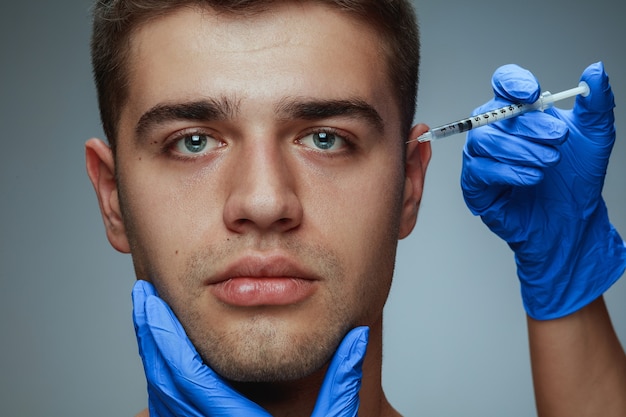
(546,100)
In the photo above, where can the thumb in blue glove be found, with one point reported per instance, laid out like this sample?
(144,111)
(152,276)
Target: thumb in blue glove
(180,384)
(536,181)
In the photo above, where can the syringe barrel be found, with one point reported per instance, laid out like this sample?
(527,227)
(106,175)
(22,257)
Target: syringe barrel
(481,119)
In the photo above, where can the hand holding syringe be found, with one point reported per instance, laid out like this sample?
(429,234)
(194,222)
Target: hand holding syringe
(546,100)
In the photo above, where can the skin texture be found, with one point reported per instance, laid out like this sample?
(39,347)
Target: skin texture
(262,200)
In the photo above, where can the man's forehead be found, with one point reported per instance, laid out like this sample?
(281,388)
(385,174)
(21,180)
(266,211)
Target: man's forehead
(230,27)
(191,51)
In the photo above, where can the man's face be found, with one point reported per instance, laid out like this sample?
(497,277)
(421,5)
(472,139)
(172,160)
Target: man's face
(261,181)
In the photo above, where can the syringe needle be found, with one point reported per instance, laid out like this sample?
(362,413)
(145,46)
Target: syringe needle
(546,100)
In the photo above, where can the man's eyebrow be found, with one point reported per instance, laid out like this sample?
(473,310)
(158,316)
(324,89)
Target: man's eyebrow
(317,109)
(200,110)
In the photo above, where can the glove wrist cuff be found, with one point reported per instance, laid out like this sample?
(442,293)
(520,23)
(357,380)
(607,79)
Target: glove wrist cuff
(579,273)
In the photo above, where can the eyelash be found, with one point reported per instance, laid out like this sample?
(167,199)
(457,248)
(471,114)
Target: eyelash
(168,148)
(346,137)
(349,145)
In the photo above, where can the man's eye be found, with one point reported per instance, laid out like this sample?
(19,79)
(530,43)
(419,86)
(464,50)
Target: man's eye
(324,141)
(195,144)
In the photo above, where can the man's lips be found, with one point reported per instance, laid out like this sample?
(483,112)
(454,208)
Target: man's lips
(257,281)
(264,291)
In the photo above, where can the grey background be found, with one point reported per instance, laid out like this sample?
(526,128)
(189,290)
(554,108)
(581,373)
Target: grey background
(455,335)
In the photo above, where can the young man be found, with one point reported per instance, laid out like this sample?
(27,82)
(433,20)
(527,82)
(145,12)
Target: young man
(259,174)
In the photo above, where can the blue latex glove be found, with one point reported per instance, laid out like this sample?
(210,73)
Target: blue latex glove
(180,384)
(536,181)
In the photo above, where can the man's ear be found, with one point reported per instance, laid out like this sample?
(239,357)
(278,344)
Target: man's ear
(417,158)
(101,171)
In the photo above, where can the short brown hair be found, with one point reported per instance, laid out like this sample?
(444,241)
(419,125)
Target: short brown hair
(115,20)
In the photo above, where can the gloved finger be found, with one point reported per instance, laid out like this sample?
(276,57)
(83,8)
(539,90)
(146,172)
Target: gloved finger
(538,149)
(195,381)
(592,130)
(515,84)
(167,331)
(480,173)
(494,162)
(141,291)
(512,85)
(594,113)
(156,376)
(484,182)
(339,395)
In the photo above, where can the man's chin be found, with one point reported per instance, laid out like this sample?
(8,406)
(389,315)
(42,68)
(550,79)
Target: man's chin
(267,364)
(270,354)
(286,372)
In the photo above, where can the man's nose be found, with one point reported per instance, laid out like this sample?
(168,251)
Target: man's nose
(262,195)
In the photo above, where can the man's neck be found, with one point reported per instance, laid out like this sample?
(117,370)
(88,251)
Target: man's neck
(292,398)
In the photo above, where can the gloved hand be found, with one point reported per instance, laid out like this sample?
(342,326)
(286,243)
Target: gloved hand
(180,384)
(536,181)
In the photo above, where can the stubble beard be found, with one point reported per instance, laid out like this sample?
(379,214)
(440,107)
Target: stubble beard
(264,347)
(261,351)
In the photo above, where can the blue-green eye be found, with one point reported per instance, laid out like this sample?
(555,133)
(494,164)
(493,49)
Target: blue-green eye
(323,141)
(195,144)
